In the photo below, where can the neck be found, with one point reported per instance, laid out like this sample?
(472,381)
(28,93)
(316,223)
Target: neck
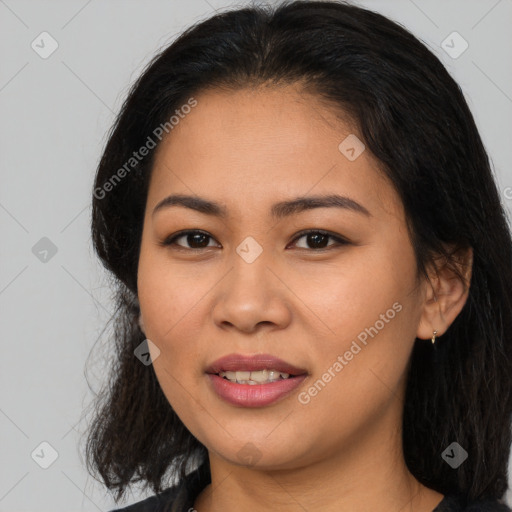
(367,474)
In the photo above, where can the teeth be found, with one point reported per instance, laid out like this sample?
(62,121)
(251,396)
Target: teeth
(251,378)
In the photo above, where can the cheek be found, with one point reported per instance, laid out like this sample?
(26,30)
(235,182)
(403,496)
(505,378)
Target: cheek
(167,296)
(173,301)
(169,303)
(358,290)
(369,312)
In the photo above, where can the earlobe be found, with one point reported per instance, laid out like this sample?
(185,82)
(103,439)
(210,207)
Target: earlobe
(141,323)
(446,294)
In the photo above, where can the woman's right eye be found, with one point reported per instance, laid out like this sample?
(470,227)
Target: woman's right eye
(196,239)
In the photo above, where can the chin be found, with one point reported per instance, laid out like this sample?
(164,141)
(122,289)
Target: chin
(259,453)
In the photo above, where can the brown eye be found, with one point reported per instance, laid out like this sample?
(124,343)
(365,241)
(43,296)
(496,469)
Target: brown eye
(318,239)
(196,239)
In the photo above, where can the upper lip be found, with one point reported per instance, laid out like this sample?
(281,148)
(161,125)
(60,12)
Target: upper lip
(240,362)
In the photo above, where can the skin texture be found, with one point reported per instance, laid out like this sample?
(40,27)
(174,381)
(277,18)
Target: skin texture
(341,451)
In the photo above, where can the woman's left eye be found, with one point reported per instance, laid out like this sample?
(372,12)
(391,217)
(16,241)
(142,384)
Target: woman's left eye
(317,239)
(314,237)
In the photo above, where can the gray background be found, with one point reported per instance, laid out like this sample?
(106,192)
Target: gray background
(55,113)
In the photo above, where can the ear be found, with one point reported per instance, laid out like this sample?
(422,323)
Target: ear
(445,294)
(141,323)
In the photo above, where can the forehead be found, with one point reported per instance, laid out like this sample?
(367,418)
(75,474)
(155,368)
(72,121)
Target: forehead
(249,146)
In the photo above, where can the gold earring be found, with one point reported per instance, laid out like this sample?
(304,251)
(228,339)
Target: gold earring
(434,337)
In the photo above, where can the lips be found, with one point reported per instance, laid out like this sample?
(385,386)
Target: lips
(239,362)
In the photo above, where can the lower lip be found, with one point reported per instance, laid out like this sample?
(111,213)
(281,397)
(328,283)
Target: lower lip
(254,395)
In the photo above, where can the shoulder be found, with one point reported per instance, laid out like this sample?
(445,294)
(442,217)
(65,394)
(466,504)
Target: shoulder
(456,503)
(153,503)
(487,506)
(178,498)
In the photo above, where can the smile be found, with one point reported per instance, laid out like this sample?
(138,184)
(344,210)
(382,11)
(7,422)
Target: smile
(256,377)
(250,393)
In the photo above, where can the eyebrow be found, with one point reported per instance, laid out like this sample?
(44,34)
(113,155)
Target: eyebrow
(278,210)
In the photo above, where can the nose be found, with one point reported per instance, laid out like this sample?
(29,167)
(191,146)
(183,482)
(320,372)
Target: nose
(251,296)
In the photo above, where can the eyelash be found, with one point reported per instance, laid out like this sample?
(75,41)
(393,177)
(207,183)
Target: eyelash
(170,241)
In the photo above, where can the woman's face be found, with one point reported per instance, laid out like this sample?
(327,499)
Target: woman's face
(345,315)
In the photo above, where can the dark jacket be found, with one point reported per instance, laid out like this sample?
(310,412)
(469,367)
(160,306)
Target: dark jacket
(181,498)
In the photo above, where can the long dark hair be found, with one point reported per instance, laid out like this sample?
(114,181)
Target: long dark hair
(413,117)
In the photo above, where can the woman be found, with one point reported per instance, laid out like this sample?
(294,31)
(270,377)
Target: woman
(313,275)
